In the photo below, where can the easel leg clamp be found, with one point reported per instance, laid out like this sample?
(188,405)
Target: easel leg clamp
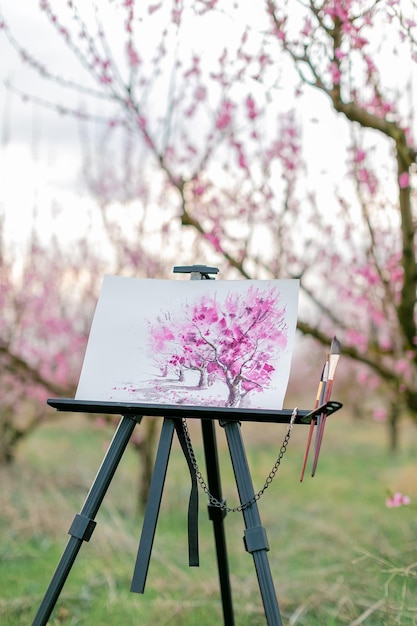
(82,527)
(215,512)
(255,539)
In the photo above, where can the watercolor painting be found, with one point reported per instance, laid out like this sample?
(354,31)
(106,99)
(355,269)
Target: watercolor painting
(180,342)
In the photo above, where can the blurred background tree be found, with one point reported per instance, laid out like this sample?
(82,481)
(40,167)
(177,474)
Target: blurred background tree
(273,143)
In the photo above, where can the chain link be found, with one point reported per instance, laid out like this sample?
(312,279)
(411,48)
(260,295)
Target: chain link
(221,505)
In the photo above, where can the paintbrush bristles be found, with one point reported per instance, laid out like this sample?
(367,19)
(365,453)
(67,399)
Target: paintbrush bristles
(333,361)
(334,357)
(335,346)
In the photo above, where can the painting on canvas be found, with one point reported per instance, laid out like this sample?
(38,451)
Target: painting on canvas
(196,343)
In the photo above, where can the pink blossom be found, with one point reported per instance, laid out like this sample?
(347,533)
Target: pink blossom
(404,180)
(224,117)
(396,274)
(402,366)
(176,16)
(194,69)
(307,28)
(132,55)
(380,414)
(200,93)
(357,339)
(199,189)
(251,108)
(335,72)
(359,42)
(386,343)
(397,499)
(214,240)
(368,178)
(359,156)
(242,161)
(370,275)
(154,7)
(362,377)
(339,54)
(142,122)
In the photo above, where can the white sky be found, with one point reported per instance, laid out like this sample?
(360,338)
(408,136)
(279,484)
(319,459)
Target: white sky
(40,150)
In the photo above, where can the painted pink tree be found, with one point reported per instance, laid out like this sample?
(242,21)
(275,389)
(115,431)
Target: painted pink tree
(236,342)
(176,349)
(223,157)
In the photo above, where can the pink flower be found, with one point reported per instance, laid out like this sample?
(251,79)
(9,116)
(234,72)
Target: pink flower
(404,180)
(402,366)
(214,240)
(251,108)
(224,118)
(199,190)
(154,7)
(359,156)
(307,28)
(132,55)
(380,414)
(397,499)
(242,161)
(339,54)
(200,93)
(335,73)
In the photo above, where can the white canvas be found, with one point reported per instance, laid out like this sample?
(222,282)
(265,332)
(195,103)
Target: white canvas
(190,342)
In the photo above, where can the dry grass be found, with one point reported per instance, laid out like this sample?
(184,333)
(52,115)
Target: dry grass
(338,556)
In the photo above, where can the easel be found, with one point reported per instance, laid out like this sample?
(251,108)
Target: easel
(255,539)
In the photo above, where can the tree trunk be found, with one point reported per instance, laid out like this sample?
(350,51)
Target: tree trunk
(235,393)
(393,427)
(203,382)
(9,436)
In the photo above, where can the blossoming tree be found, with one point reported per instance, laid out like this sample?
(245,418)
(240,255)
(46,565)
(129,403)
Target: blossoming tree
(235,342)
(215,124)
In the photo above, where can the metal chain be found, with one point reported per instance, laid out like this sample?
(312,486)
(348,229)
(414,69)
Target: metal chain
(221,505)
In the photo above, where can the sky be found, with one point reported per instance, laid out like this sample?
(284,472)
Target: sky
(41,151)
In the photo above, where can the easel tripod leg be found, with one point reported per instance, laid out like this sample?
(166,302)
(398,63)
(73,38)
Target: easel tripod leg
(217,516)
(152,508)
(256,541)
(84,524)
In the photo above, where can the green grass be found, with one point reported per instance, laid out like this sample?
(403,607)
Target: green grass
(338,556)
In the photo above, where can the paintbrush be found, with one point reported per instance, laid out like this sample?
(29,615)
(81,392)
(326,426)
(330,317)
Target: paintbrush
(313,419)
(333,360)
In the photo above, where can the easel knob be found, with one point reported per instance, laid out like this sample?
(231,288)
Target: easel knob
(198,272)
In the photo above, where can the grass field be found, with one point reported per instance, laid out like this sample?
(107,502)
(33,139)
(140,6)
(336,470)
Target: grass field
(338,555)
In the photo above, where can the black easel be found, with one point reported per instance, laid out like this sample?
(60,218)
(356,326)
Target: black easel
(255,538)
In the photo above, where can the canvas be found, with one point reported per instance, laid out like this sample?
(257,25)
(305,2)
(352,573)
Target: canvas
(196,343)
